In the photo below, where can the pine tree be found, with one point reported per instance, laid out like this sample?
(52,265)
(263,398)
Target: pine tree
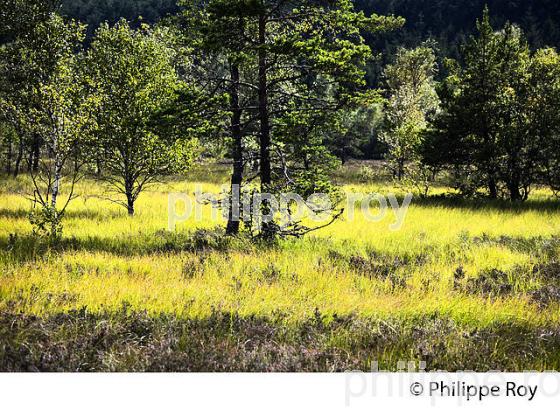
(491,132)
(302,60)
(467,132)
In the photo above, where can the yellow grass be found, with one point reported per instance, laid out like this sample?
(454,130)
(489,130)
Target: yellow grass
(115,261)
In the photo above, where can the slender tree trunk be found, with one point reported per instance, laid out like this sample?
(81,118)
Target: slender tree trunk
(306,163)
(400,173)
(19,158)
(236,133)
(433,175)
(515,172)
(492,186)
(36,153)
(264,141)
(34,150)
(55,191)
(56,184)
(30,162)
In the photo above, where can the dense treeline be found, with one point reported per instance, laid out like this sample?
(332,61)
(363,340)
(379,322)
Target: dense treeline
(448,21)
(281,89)
(95,12)
(451,21)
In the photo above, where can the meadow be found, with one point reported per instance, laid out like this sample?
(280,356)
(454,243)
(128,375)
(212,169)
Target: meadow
(464,285)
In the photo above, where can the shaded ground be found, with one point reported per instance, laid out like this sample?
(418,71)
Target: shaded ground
(126,341)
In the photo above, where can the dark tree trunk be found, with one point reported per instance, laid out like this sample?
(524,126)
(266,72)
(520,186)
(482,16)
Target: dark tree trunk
(492,186)
(400,171)
(130,204)
(19,158)
(515,172)
(237,175)
(34,150)
(514,187)
(264,141)
(129,189)
(515,195)
(306,163)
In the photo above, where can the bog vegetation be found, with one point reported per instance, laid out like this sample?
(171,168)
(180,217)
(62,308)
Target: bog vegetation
(98,126)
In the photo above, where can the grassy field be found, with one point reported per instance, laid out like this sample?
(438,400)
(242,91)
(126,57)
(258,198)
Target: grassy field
(464,285)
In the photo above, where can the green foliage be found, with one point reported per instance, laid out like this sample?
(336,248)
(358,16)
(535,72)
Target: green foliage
(411,102)
(544,107)
(353,130)
(47,223)
(497,122)
(21,16)
(289,70)
(46,96)
(135,79)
